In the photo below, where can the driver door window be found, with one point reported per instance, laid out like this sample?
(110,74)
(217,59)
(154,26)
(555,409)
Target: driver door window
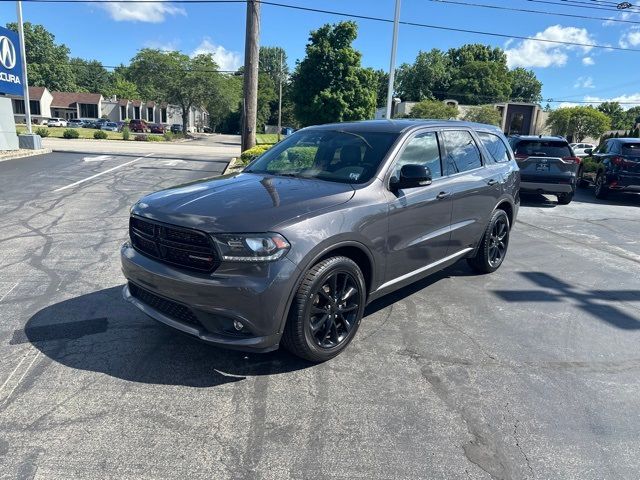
(423,149)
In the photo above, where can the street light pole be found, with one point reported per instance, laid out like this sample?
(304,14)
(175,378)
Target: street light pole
(280,98)
(392,64)
(25,80)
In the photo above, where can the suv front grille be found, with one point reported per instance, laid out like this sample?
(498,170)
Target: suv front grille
(177,246)
(171,309)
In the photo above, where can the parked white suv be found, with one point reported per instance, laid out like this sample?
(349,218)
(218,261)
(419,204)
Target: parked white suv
(579,149)
(57,122)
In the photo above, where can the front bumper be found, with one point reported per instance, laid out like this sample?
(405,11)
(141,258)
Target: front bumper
(255,295)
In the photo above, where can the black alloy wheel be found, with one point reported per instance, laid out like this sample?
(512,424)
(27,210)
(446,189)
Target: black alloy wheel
(327,310)
(334,309)
(498,241)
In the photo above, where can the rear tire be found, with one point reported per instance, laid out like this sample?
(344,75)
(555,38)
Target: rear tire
(565,198)
(582,183)
(493,246)
(327,310)
(601,191)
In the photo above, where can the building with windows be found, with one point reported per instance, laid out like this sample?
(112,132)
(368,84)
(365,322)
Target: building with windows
(45,104)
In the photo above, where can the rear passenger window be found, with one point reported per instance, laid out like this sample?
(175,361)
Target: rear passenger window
(462,152)
(495,146)
(423,150)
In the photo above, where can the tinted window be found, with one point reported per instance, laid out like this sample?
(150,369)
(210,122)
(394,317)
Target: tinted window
(338,156)
(421,150)
(462,152)
(631,149)
(543,148)
(495,146)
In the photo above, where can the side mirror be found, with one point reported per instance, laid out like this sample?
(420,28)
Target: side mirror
(588,151)
(412,176)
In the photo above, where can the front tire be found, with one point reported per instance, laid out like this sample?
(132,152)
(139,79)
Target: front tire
(326,311)
(494,244)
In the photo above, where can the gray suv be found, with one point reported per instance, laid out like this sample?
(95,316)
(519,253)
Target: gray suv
(292,249)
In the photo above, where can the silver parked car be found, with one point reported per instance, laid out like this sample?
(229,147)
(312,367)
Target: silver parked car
(109,126)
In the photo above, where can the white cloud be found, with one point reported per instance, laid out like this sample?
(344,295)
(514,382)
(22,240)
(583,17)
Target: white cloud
(588,61)
(226,59)
(624,15)
(630,38)
(141,12)
(627,101)
(584,82)
(529,53)
(170,46)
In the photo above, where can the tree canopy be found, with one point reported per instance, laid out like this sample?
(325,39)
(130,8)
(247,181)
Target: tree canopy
(47,62)
(91,76)
(329,84)
(434,109)
(473,74)
(577,123)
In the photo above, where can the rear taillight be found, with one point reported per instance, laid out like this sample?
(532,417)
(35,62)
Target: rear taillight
(571,159)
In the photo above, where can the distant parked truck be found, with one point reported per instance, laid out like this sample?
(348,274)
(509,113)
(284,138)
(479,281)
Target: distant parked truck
(138,126)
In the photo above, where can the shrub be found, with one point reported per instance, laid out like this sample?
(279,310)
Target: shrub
(484,114)
(253,153)
(155,138)
(589,164)
(100,135)
(126,133)
(434,109)
(141,138)
(70,133)
(43,132)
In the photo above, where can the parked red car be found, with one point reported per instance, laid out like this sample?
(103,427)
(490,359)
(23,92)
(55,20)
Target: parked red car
(157,128)
(139,126)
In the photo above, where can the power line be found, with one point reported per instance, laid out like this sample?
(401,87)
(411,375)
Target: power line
(579,5)
(540,12)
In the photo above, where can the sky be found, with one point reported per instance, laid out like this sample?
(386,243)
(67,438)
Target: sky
(112,33)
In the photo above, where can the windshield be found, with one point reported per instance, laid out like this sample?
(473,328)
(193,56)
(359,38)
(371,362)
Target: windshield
(543,148)
(631,149)
(333,155)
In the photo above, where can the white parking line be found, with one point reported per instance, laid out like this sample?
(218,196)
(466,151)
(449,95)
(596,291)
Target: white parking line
(101,173)
(10,290)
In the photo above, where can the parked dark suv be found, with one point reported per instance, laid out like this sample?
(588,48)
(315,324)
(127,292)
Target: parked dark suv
(613,166)
(547,165)
(292,248)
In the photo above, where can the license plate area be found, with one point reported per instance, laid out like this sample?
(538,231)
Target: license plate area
(542,167)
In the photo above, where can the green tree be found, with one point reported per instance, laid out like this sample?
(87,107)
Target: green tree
(270,66)
(577,123)
(382,79)
(525,86)
(47,62)
(484,114)
(267,112)
(619,118)
(434,109)
(91,76)
(428,78)
(270,63)
(329,84)
(225,100)
(176,78)
(476,52)
(121,87)
(479,82)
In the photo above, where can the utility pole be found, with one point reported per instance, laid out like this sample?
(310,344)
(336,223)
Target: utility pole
(392,63)
(251,60)
(280,98)
(25,80)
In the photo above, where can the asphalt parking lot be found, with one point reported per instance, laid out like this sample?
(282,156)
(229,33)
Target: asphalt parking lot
(531,372)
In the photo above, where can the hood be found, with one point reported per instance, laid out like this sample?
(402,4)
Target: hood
(241,203)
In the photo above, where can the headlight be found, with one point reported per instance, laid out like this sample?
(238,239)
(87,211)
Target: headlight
(259,247)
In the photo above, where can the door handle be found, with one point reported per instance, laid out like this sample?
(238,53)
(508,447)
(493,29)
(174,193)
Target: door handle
(492,182)
(443,195)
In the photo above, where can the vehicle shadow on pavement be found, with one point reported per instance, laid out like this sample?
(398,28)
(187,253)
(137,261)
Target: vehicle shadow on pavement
(585,195)
(552,289)
(536,200)
(101,332)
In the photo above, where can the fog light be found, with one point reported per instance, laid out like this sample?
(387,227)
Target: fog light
(237,325)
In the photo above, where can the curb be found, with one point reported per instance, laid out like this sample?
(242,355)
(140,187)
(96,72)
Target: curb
(23,154)
(233,166)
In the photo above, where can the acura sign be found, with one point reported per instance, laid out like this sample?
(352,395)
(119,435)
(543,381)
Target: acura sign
(10,63)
